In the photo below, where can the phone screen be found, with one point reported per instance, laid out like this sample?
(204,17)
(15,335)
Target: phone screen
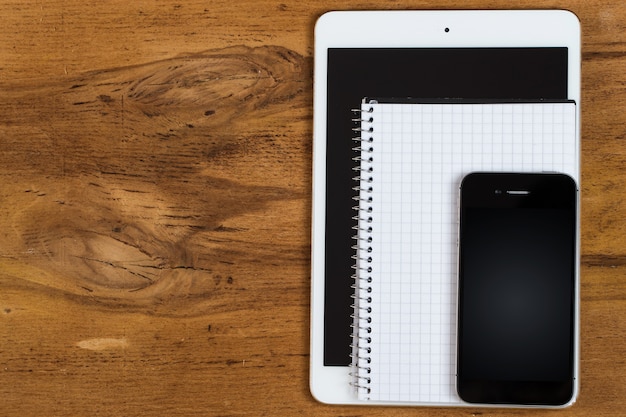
(517,254)
(355,73)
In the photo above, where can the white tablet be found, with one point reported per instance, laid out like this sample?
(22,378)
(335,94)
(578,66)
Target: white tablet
(478,55)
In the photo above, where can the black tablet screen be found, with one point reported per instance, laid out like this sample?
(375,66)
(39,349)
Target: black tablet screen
(480,73)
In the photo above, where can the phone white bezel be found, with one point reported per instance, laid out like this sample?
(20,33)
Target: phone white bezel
(387,29)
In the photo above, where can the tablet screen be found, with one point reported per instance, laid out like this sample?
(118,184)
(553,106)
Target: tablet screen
(355,73)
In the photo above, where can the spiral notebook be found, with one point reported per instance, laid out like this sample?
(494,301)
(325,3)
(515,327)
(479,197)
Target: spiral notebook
(411,159)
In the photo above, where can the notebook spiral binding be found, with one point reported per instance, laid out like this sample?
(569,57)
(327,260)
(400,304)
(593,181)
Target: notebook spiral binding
(361,340)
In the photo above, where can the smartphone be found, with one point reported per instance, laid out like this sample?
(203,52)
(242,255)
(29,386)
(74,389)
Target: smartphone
(517,289)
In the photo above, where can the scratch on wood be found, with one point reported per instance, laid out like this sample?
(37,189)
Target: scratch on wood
(103,343)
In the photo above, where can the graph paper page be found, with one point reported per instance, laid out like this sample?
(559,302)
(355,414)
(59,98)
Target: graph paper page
(420,153)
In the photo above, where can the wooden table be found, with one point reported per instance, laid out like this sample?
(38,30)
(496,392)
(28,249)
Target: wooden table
(155,170)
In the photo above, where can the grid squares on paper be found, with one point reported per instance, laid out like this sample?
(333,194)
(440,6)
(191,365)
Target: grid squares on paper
(421,153)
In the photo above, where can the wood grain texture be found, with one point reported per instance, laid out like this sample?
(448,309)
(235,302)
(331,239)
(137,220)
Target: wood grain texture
(155,162)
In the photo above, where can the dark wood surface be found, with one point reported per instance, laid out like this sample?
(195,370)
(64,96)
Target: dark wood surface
(155,171)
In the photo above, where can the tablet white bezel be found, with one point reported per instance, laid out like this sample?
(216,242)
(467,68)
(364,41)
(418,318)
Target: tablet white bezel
(387,29)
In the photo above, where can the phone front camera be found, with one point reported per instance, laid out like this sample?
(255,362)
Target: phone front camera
(446,30)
